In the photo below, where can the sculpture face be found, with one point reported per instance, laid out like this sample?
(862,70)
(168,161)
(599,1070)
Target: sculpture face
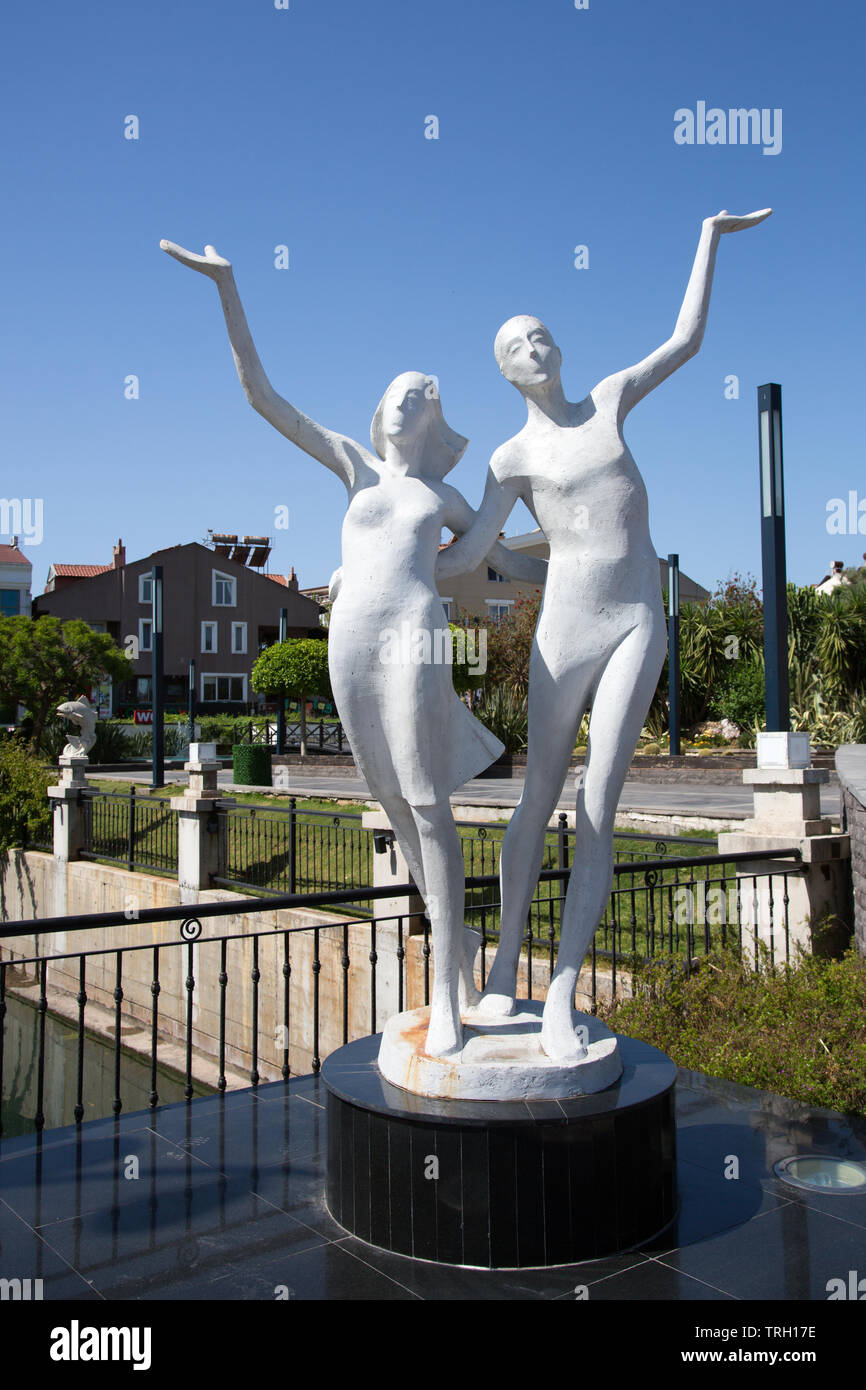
(406,413)
(526,353)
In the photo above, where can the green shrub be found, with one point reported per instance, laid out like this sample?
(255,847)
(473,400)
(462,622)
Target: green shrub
(24,808)
(252,764)
(506,715)
(739,694)
(112,744)
(796,1031)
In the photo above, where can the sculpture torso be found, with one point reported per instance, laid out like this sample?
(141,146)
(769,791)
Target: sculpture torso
(584,489)
(390,541)
(411,734)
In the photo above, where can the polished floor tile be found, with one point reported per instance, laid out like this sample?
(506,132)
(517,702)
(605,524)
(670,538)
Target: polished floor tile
(26,1256)
(223,1200)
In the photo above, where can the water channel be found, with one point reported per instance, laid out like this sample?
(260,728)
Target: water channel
(21,1066)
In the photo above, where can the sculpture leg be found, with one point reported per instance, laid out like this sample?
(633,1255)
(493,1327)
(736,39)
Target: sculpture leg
(442,860)
(619,707)
(403,823)
(556,707)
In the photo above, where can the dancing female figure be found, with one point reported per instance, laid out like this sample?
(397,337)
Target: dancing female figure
(600,641)
(413,738)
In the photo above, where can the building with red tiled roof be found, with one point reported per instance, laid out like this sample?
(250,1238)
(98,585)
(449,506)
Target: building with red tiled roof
(16,574)
(219,611)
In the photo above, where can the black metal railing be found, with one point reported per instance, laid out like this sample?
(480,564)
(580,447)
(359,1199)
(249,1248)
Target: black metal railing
(139,832)
(281,849)
(323,734)
(354,972)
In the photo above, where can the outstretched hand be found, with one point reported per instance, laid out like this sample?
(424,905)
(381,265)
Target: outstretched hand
(728,222)
(211,263)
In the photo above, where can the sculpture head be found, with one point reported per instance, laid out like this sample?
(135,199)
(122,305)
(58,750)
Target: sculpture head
(409,416)
(526,354)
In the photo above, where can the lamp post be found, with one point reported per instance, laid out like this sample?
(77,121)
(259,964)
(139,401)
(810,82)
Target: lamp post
(281,699)
(674,654)
(158,777)
(776,692)
(192,700)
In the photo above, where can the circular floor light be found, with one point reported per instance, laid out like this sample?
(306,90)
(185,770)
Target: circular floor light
(821,1173)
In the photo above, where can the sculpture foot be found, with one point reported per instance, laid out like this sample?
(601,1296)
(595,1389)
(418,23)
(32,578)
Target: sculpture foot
(496,1005)
(560,1040)
(444,1036)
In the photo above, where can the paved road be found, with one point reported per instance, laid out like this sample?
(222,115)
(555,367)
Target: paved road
(700,799)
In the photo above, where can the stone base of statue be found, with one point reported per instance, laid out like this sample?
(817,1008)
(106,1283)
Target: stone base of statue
(501,1183)
(501,1058)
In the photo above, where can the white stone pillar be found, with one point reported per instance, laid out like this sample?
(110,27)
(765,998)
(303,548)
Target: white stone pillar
(197,826)
(787,791)
(69,808)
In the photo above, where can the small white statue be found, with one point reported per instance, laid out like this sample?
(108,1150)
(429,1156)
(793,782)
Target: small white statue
(82,713)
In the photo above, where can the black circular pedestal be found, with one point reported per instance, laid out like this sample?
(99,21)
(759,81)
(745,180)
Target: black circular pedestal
(501,1184)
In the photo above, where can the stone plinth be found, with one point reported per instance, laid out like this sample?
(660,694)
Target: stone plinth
(197,827)
(501,1184)
(501,1059)
(69,808)
(787,800)
(782,910)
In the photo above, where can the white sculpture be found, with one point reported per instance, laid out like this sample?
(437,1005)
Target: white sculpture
(601,637)
(81,713)
(413,738)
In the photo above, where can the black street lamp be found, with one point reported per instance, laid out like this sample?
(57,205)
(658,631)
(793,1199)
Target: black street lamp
(192,699)
(281,699)
(674,655)
(158,777)
(776,691)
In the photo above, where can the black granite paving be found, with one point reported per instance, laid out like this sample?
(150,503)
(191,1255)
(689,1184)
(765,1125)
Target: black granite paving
(222,1199)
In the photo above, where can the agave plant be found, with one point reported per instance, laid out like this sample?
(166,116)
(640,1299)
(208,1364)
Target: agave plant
(506,715)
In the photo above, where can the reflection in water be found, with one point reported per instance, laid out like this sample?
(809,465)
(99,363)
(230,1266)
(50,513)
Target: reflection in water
(21,1074)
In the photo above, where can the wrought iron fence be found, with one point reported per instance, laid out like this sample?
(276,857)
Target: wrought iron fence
(280,849)
(135,831)
(618,944)
(321,733)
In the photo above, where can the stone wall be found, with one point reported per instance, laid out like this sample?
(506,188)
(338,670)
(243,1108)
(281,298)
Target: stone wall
(851,766)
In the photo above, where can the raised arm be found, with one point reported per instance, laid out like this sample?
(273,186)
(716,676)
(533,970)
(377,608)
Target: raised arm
(335,451)
(479,534)
(635,382)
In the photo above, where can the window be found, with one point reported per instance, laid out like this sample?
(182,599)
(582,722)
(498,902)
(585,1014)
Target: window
(446,604)
(209,637)
(224,688)
(9,603)
(239,637)
(224,590)
(494,577)
(142,690)
(145,588)
(145,635)
(497,609)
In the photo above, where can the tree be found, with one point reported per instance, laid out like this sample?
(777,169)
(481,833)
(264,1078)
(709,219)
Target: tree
(509,645)
(44,661)
(294,670)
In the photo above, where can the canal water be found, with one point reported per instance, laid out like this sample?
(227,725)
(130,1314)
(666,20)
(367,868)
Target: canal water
(20,1074)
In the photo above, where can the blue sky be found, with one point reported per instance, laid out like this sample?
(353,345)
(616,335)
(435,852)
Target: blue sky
(305,127)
